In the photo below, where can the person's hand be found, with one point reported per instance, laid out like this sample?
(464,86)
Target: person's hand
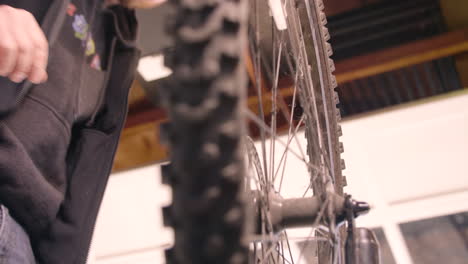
(136,3)
(23,46)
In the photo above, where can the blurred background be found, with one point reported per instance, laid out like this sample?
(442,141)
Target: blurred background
(402,70)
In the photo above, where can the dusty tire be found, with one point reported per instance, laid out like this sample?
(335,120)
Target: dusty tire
(203,101)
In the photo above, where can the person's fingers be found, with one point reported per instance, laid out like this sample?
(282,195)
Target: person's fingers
(26,49)
(41,53)
(8,53)
(37,74)
(23,62)
(8,48)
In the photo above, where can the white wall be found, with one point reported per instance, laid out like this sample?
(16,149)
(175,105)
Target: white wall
(408,162)
(129,227)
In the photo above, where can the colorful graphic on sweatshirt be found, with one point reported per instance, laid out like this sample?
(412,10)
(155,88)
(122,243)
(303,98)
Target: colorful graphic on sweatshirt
(90,46)
(82,32)
(96,62)
(80,26)
(71,9)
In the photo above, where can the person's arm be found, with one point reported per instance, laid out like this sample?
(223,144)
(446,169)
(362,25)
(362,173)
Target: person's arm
(23,46)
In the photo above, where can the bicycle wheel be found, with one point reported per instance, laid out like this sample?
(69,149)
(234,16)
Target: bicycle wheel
(207,104)
(300,52)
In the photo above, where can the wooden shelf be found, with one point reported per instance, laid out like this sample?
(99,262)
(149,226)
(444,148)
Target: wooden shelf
(441,46)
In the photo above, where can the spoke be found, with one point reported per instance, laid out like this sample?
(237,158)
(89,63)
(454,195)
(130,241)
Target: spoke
(285,260)
(302,158)
(289,246)
(275,238)
(289,131)
(307,189)
(282,252)
(258,183)
(299,145)
(286,152)
(323,231)
(337,251)
(304,246)
(253,158)
(281,255)
(268,254)
(258,80)
(317,220)
(274,98)
(318,157)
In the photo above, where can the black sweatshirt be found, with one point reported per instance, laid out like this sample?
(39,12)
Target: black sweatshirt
(49,178)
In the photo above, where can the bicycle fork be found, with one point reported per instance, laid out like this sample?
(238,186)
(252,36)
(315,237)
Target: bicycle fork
(361,247)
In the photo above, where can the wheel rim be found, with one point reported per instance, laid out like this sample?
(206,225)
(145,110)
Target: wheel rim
(311,72)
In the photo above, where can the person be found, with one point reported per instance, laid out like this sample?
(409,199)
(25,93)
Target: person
(58,140)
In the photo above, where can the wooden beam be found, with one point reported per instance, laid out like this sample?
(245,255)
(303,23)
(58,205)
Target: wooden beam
(441,46)
(150,115)
(140,145)
(455,16)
